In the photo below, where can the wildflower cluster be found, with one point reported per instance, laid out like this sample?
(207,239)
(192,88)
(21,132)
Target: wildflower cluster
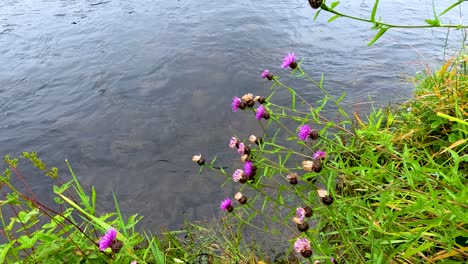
(363,182)
(253,155)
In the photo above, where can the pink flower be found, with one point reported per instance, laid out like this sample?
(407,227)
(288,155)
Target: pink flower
(261,113)
(226,205)
(265,73)
(248,168)
(107,240)
(300,213)
(237,175)
(241,148)
(301,245)
(236,102)
(304,132)
(233,142)
(319,155)
(289,61)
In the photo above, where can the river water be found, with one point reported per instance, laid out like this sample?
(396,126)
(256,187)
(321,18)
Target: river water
(129,90)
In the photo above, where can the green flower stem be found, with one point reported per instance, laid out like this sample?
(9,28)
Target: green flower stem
(269,217)
(324,92)
(251,225)
(310,106)
(383,24)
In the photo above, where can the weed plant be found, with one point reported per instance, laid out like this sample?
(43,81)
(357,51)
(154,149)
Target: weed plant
(386,187)
(71,231)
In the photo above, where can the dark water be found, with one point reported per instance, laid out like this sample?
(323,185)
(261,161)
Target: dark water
(129,90)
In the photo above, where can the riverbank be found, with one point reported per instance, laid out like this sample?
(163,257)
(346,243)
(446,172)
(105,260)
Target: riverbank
(388,186)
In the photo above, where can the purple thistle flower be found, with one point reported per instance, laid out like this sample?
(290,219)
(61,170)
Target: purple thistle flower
(319,155)
(248,168)
(304,132)
(265,73)
(301,245)
(237,175)
(108,238)
(236,102)
(288,60)
(233,142)
(226,205)
(241,148)
(260,112)
(300,213)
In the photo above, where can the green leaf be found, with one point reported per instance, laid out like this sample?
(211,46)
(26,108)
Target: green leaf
(433,22)
(333,18)
(334,4)
(316,14)
(374,11)
(379,34)
(451,7)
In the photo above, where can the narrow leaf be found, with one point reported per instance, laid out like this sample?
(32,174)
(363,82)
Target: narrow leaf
(316,14)
(334,4)
(374,11)
(381,32)
(333,18)
(451,7)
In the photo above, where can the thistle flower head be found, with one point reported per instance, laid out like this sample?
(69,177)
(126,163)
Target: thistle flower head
(233,142)
(301,245)
(226,205)
(237,175)
(108,238)
(236,103)
(304,132)
(261,112)
(300,213)
(289,61)
(248,168)
(265,73)
(241,148)
(319,155)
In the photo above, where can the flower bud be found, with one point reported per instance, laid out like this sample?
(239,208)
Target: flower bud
(198,159)
(250,103)
(244,178)
(307,165)
(247,97)
(327,199)
(244,157)
(303,227)
(315,3)
(314,134)
(306,253)
(292,178)
(242,199)
(242,105)
(308,211)
(260,99)
(317,166)
(293,65)
(116,246)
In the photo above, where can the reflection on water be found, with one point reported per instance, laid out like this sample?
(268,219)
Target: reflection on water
(129,90)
